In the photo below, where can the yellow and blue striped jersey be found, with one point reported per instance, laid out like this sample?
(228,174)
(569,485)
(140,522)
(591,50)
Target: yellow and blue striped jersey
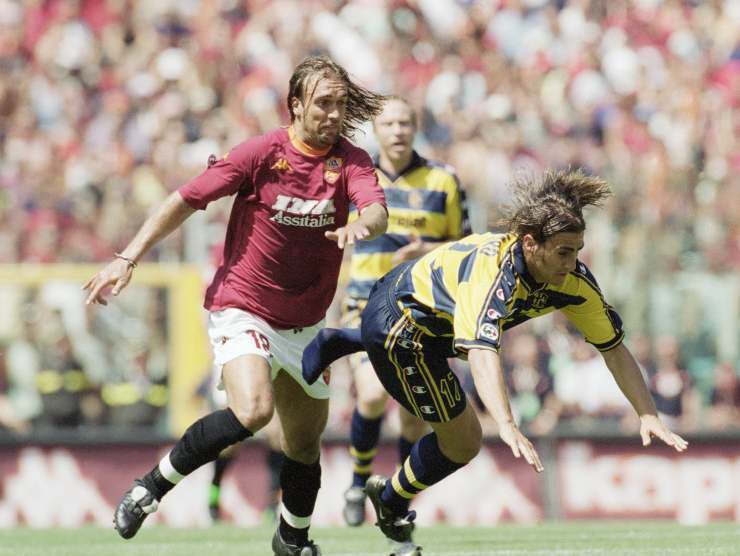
(425,200)
(473,289)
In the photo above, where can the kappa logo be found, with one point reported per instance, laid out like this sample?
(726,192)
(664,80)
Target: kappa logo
(310,213)
(427,409)
(489,331)
(282,165)
(408,371)
(418,390)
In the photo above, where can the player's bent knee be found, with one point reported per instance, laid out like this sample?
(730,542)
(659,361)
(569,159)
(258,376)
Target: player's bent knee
(304,450)
(256,415)
(463,450)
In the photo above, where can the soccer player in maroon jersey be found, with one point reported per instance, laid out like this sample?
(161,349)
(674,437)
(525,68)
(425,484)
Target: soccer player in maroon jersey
(288,226)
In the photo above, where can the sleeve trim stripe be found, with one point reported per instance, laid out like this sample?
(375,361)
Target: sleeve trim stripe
(465,346)
(611,344)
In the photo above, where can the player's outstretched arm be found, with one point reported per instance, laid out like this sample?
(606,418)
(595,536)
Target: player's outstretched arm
(170,214)
(372,222)
(488,376)
(623,366)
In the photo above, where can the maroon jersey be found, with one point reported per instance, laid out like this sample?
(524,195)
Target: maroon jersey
(277,264)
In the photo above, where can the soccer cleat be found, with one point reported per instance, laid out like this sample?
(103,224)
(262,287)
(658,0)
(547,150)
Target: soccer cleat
(282,548)
(354,506)
(136,504)
(397,528)
(405,549)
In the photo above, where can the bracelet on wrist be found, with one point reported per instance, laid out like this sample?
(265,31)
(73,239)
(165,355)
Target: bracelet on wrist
(131,262)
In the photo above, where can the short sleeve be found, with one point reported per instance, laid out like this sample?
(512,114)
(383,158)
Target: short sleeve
(595,318)
(362,181)
(226,176)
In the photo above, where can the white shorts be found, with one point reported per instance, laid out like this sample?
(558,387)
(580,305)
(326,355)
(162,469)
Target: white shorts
(234,332)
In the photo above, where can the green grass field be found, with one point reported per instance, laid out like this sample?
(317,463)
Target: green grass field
(563,539)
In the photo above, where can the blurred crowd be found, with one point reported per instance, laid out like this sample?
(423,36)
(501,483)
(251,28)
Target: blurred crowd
(108,105)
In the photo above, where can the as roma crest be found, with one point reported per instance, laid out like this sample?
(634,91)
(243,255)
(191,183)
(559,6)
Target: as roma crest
(331,176)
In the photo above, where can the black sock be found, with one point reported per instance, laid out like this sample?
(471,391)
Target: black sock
(201,443)
(275,459)
(300,484)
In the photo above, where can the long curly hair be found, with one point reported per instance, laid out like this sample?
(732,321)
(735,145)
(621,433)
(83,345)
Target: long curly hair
(553,203)
(362,104)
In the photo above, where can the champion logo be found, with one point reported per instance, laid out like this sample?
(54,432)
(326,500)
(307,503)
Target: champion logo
(407,344)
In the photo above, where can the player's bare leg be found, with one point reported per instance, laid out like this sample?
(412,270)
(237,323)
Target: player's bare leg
(248,386)
(412,429)
(303,420)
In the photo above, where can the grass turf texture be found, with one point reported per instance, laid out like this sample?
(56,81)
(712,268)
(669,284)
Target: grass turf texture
(562,539)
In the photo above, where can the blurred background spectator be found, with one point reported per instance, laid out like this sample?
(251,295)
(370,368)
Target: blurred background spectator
(107,105)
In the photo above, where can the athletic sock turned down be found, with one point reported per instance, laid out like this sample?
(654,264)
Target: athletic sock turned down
(364,437)
(425,466)
(201,443)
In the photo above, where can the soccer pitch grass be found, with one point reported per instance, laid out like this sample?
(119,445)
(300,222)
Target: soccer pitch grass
(563,539)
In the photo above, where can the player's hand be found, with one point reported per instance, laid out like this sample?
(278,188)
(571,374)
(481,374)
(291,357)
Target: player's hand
(117,274)
(349,234)
(651,426)
(520,445)
(415,248)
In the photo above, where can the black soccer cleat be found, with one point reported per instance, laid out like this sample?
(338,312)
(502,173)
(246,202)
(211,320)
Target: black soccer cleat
(136,504)
(354,506)
(397,528)
(405,549)
(282,548)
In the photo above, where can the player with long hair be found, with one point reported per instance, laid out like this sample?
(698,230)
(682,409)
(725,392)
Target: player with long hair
(457,301)
(288,226)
